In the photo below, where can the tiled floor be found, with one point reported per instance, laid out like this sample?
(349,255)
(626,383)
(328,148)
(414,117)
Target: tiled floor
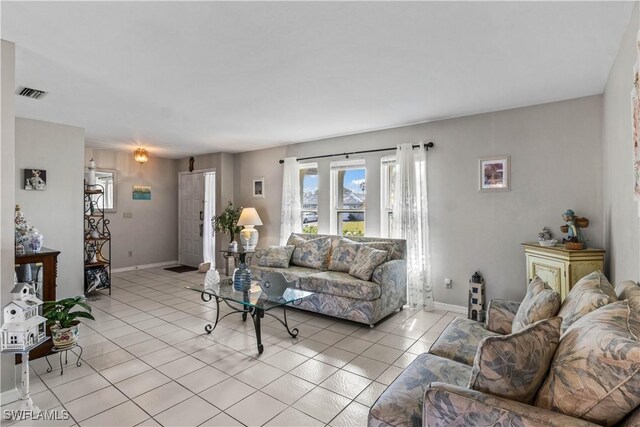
(148,362)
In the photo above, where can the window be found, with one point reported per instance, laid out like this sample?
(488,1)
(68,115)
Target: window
(388,178)
(348,195)
(309,197)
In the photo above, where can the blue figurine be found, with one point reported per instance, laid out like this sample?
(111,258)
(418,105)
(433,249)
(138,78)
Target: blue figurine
(574,234)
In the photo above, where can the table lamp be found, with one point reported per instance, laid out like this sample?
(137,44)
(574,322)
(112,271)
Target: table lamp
(248,235)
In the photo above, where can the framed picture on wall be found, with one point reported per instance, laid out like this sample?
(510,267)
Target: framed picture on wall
(494,174)
(258,187)
(35,179)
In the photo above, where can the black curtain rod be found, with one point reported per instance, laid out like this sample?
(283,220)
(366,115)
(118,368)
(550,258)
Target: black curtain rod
(426,146)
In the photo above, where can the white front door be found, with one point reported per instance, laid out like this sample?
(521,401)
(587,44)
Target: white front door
(190,216)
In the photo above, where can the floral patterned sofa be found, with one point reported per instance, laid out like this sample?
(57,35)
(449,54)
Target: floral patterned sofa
(581,368)
(327,265)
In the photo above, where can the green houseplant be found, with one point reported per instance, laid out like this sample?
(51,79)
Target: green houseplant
(64,322)
(227,220)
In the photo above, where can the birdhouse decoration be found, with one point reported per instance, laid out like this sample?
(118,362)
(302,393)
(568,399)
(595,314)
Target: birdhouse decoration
(476,298)
(23,326)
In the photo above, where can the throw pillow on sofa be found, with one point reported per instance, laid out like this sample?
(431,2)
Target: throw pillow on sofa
(276,256)
(312,253)
(514,366)
(541,302)
(366,261)
(343,255)
(595,373)
(589,293)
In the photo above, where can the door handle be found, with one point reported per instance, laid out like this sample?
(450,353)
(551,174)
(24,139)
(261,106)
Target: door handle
(201,215)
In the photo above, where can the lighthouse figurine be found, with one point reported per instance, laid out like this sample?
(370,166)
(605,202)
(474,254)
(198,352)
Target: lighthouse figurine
(23,326)
(476,298)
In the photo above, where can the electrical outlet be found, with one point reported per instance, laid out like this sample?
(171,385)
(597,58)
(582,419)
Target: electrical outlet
(127,215)
(448,283)
(130,254)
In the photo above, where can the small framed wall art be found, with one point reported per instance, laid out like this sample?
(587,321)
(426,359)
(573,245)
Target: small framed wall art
(35,179)
(258,187)
(494,174)
(141,192)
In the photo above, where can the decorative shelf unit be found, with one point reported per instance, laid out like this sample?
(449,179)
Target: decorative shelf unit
(97,241)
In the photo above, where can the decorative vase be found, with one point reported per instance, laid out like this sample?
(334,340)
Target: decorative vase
(32,241)
(242,278)
(65,337)
(91,181)
(233,246)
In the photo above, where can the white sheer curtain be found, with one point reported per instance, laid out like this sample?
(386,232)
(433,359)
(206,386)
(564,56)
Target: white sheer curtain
(208,241)
(291,218)
(411,221)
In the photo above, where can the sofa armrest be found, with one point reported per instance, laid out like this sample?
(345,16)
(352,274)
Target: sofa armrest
(449,405)
(500,315)
(392,278)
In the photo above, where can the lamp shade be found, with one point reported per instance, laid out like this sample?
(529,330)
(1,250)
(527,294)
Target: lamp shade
(249,216)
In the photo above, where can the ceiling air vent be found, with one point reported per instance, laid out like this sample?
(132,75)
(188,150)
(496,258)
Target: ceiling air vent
(31,93)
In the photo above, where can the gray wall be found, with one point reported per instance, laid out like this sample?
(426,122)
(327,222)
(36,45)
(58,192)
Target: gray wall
(58,211)
(556,164)
(620,210)
(7,182)
(151,234)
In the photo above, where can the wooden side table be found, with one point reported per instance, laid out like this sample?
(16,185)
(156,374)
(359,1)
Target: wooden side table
(49,260)
(561,268)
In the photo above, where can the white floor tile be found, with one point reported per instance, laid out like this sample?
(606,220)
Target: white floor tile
(125,370)
(382,353)
(366,367)
(314,371)
(125,414)
(346,384)
(227,393)
(322,404)
(180,367)
(80,387)
(95,403)
(288,388)
(291,417)
(160,357)
(286,360)
(162,398)
(336,356)
(108,360)
(256,409)
(354,415)
(222,420)
(142,383)
(202,379)
(191,412)
(371,394)
(259,375)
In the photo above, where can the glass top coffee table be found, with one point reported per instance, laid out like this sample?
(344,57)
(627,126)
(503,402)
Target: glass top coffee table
(254,302)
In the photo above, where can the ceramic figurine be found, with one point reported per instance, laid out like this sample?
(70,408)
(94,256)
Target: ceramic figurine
(92,172)
(574,224)
(27,238)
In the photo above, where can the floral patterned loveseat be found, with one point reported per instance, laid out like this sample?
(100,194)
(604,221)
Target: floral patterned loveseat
(324,263)
(591,374)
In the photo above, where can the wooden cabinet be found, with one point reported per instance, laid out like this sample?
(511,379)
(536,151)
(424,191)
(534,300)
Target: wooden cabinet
(561,268)
(49,260)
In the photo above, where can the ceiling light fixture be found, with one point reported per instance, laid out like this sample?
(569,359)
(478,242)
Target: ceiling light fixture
(141,155)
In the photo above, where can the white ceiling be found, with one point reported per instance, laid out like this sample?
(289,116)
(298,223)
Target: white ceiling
(187,78)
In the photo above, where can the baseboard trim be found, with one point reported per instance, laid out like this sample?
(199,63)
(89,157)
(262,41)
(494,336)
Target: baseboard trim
(139,267)
(451,307)
(9,396)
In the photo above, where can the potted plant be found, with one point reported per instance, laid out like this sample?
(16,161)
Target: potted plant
(227,220)
(64,322)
